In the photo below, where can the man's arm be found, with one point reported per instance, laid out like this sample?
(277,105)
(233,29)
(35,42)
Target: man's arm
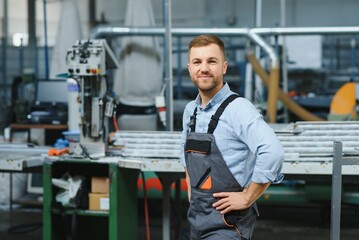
(229,201)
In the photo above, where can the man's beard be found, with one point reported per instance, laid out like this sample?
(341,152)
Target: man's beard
(208,86)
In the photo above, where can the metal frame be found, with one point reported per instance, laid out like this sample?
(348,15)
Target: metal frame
(338,162)
(255,35)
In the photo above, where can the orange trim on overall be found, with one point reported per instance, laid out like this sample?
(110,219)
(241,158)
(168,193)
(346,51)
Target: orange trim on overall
(196,151)
(207,185)
(232,226)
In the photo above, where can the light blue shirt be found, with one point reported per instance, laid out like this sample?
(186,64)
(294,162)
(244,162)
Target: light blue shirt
(247,143)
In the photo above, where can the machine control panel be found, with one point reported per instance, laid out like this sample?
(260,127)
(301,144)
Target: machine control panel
(90,58)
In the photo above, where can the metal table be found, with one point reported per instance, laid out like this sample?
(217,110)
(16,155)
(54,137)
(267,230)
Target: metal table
(21,158)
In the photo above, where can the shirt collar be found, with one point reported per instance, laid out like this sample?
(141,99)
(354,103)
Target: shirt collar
(217,98)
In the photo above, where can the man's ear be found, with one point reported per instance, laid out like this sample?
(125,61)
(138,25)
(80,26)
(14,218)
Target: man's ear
(225,66)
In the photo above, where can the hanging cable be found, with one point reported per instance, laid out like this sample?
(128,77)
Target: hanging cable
(115,121)
(148,235)
(114,116)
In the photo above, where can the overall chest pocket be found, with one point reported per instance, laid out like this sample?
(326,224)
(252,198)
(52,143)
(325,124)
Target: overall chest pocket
(198,163)
(198,146)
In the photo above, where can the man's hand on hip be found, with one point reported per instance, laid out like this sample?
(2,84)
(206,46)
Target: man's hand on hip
(229,201)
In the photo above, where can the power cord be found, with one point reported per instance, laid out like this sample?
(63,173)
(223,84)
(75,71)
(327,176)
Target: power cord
(148,234)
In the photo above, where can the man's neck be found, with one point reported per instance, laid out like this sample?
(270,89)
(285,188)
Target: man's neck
(206,96)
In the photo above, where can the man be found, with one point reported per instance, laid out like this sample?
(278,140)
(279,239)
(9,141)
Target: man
(230,154)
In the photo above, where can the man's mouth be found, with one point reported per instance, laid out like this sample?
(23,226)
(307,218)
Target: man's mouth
(204,76)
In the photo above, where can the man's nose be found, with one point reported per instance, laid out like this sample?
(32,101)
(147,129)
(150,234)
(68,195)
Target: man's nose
(204,67)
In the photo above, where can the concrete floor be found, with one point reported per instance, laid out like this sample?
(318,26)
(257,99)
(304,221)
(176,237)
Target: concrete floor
(274,223)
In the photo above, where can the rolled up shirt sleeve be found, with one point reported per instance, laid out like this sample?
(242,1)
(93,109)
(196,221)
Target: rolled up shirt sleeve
(270,157)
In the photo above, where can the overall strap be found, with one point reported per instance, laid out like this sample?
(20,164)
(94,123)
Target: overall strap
(214,119)
(192,122)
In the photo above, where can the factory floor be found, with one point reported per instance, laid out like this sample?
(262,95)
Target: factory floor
(274,223)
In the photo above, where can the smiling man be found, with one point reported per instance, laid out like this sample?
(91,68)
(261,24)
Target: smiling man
(230,154)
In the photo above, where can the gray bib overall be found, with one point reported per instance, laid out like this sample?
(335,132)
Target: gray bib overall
(209,174)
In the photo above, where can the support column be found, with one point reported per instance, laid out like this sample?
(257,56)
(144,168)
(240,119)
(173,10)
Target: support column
(336,191)
(32,43)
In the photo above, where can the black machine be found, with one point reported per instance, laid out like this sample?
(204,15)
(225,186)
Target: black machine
(50,106)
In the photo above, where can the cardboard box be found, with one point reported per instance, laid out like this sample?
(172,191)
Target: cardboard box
(100,185)
(99,201)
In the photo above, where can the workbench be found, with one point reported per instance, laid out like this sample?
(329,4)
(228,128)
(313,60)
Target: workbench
(51,131)
(308,154)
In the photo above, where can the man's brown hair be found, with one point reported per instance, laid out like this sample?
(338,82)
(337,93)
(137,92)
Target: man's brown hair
(205,40)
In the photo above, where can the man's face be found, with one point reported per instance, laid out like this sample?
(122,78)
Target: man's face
(206,67)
